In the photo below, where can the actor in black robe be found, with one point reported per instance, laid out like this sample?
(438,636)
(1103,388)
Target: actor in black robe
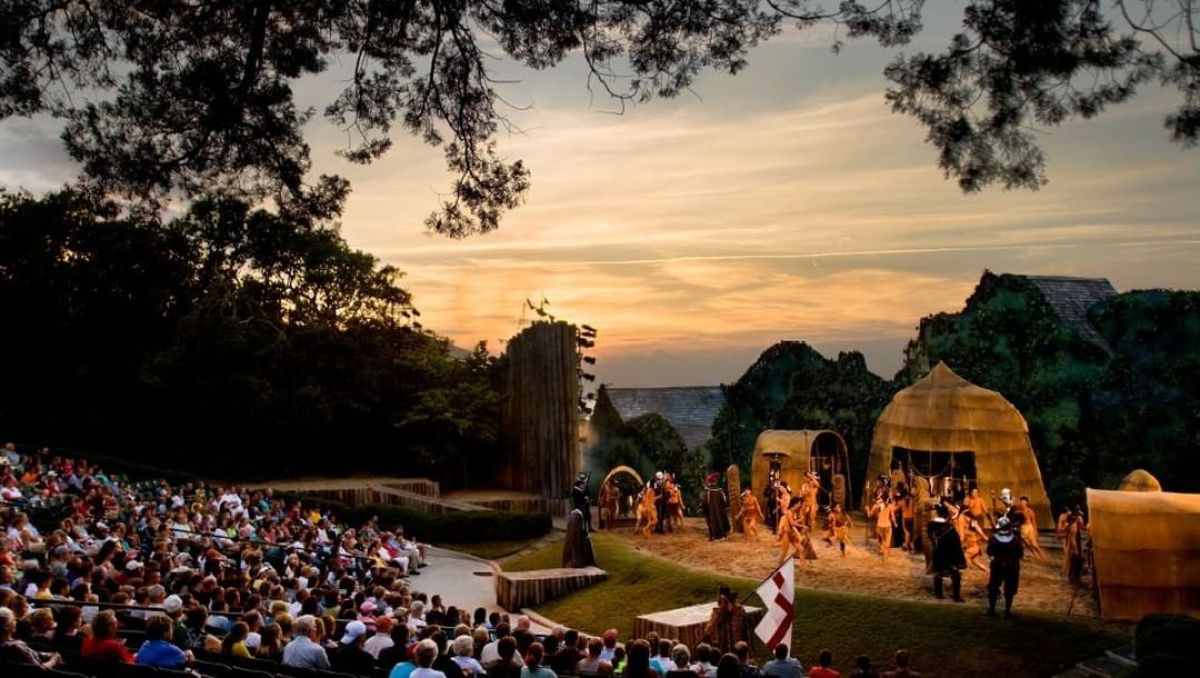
(947,559)
(716,508)
(577,547)
(662,502)
(581,501)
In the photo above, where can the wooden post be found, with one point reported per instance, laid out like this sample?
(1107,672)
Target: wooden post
(733,481)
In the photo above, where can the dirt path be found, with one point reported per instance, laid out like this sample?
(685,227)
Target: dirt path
(1043,586)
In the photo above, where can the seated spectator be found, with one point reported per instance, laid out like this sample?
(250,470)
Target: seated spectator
(103,643)
(783,666)
(351,657)
(41,628)
(610,645)
(682,660)
(463,649)
(747,669)
(253,627)
(638,653)
(158,650)
(703,666)
(67,636)
(533,663)
(270,644)
(592,663)
(17,652)
(444,662)
(661,662)
(305,650)
(490,652)
(426,654)
(567,656)
(728,666)
(822,669)
(506,657)
(901,670)
(398,652)
(234,642)
(862,668)
(382,639)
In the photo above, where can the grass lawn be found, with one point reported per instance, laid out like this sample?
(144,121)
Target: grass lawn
(944,640)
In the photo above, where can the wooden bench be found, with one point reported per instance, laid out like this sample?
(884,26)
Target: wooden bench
(516,590)
(686,624)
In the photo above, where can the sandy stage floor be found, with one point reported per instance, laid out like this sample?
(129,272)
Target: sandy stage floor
(1043,586)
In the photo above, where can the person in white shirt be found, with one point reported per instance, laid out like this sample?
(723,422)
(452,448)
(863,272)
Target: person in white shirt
(416,615)
(463,648)
(426,652)
(382,639)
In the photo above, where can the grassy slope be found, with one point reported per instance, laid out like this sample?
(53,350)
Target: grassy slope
(944,639)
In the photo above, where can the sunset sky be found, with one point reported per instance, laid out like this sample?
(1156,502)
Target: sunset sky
(787,202)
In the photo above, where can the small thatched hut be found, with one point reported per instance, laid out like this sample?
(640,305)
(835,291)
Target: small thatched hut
(946,431)
(1140,480)
(796,453)
(1146,546)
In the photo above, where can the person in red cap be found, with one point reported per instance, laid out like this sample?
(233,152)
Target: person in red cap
(716,507)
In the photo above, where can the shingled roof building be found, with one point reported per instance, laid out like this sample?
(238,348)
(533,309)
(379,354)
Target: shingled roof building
(1072,297)
(690,409)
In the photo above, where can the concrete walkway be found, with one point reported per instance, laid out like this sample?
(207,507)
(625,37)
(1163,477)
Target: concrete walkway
(464,581)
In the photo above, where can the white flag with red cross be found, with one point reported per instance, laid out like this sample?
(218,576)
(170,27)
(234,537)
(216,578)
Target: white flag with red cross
(778,592)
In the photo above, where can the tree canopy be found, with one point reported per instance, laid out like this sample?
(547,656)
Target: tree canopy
(230,340)
(177,98)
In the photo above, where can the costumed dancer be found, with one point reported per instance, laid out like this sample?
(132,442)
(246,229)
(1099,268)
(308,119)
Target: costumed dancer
(977,509)
(783,496)
(947,558)
(581,501)
(839,528)
(882,512)
(1071,528)
(791,535)
(973,539)
(716,507)
(610,503)
(750,515)
(727,624)
(647,510)
(1006,550)
(811,499)
(1029,531)
(674,503)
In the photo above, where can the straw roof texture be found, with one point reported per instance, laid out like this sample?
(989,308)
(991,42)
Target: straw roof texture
(1140,480)
(1146,547)
(945,413)
(796,448)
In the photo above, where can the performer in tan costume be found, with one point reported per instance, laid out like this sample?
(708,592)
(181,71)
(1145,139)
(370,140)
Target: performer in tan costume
(839,528)
(810,492)
(674,503)
(882,513)
(610,503)
(750,515)
(1029,532)
(647,511)
(788,534)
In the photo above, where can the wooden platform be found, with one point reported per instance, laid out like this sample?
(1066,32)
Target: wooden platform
(685,624)
(515,590)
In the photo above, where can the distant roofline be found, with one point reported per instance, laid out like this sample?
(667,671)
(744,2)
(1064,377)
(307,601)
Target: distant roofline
(1062,277)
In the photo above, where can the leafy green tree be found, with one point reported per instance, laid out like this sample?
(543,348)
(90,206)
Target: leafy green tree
(792,386)
(176,97)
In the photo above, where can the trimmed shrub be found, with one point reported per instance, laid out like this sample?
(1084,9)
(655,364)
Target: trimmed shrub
(1166,640)
(456,527)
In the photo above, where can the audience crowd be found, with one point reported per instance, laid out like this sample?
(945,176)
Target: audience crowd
(192,577)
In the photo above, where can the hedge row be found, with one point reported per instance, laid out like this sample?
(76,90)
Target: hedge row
(455,527)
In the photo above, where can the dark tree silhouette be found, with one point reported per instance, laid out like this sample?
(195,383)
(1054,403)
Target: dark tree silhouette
(175,97)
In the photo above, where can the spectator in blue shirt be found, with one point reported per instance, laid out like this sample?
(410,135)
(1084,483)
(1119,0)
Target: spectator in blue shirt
(158,650)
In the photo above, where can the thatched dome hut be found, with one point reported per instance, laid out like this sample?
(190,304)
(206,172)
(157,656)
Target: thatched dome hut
(1140,480)
(944,429)
(796,453)
(1146,546)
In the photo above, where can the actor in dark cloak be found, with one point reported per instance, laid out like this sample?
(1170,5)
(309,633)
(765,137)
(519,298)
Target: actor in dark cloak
(577,548)
(1006,549)
(662,502)
(947,559)
(581,501)
(771,502)
(716,507)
